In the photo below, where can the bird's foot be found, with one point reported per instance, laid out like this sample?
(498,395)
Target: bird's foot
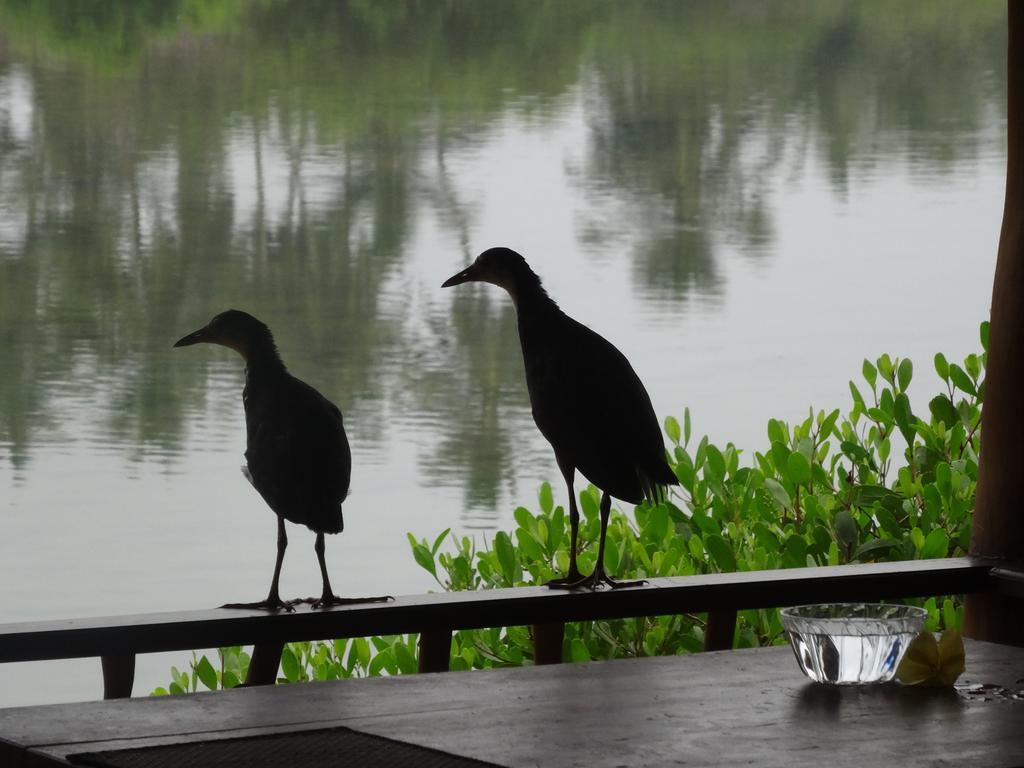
(270,604)
(328,600)
(595,580)
(571,580)
(599,578)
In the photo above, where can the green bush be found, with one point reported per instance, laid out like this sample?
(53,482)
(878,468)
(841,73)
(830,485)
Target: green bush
(878,483)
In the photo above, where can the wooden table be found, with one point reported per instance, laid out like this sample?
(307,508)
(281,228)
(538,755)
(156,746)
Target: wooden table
(731,708)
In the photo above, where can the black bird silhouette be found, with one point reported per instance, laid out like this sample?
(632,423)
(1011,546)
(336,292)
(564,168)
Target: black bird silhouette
(297,454)
(587,401)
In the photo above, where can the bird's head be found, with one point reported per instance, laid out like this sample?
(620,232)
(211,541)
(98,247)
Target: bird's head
(234,329)
(500,266)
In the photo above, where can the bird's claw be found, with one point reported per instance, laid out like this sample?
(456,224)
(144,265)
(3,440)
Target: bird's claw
(328,600)
(270,604)
(571,580)
(593,581)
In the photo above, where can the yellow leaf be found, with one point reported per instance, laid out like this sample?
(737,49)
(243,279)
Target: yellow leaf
(932,663)
(920,661)
(951,657)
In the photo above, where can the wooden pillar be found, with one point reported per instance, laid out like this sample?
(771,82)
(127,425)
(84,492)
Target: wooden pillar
(263,666)
(999,507)
(720,631)
(547,643)
(435,650)
(118,676)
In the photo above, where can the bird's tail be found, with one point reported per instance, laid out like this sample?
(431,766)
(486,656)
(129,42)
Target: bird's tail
(656,483)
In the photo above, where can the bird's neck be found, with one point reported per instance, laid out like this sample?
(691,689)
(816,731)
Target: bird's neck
(262,361)
(533,308)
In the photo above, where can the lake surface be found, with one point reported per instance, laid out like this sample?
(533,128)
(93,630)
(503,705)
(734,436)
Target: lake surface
(746,198)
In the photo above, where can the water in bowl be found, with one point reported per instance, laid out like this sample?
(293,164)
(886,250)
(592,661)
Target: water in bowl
(851,643)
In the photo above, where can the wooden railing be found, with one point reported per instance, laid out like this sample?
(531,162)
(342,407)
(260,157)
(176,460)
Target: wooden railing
(434,616)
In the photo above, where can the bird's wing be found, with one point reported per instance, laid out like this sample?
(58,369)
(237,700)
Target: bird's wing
(298,454)
(591,405)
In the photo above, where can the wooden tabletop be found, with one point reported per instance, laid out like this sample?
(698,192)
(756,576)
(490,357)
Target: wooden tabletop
(730,708)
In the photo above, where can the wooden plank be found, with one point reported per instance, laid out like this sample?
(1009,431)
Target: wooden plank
(148,633)
(998,522)
(547,643)
(264,663)
(1009,582)
(719,633)
(735,708)
(435,650)
(118,676)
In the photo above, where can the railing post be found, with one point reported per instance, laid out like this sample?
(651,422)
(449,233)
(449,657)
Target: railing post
(264,663)
(720,630)
(547,643)
(118,676)
(435,650)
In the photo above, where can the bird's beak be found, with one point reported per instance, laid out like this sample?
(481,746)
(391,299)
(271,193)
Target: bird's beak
(465,276)
(196,337)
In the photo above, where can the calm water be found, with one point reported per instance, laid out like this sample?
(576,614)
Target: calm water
(746,198)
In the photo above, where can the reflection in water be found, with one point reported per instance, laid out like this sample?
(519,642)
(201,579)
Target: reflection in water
(682,174)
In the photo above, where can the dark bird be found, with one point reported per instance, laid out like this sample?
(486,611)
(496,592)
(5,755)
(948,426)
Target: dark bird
(586,399)
(297,454)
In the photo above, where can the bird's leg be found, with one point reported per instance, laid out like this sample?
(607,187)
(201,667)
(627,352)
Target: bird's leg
(273,601)
(572,578)
(599,577)
(328,597)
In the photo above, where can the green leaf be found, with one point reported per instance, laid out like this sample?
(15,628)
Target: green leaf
(403,658)
(869,550)
(983,332)
(721,552)
(506,556)
(438,540)
(795,554)
(207,674)
(936,544)
(578,650)
(588,505)
(828,424)
(290,665)
(846,528)
(941,366)
(361,649)
(780,494)
(780,458)
(529,546)
(961,379)
(384,660)
(870,373)
(866,495)
(424,558)
(556,530)
(715,461)
(949,616)
(524,518)
(799,468)
(904,373)
(686,426)
(857,398)
(904,417)
(942,410)
(672,429)
(684,470)
(547,499)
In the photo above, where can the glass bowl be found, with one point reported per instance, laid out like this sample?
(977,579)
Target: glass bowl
(851,643)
